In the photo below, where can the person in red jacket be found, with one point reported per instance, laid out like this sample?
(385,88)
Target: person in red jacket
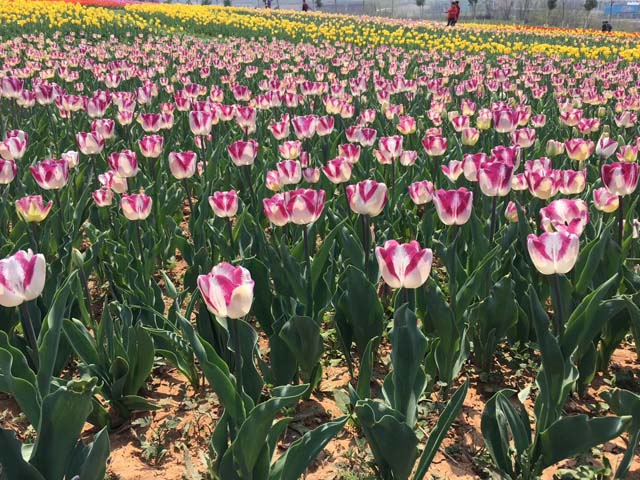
(453,13)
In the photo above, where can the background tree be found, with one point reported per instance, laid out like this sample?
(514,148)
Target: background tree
(474,6)
(420,3)
(318,4)
(588,6)
(551,5)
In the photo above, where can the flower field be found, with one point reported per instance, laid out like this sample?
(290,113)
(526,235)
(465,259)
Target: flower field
(242,244)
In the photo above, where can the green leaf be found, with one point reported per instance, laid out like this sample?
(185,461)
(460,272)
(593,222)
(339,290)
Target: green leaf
(623,403)
(18,380)
(302,336)
(294,462)
(49,339)
(13,465)
(64,413)
(252,437)
(392,441)
(360,306)
(90,461)
(407,356)
(439,432)
(366,368)
(570,436)
(215,370)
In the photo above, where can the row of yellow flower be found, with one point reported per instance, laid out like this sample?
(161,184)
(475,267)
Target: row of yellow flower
(316,27)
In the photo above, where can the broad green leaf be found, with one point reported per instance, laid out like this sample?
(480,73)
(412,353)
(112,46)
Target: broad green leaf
(439,432)
(293,463)
(13,465)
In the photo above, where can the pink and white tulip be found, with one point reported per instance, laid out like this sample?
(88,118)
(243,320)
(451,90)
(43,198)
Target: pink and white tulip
(22,277)
(553,252)
(405,265)
(227,290)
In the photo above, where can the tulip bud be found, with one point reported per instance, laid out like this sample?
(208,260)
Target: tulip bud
(32,208)
(404,265)
(553,252)
(182,164)
(453,206)
(367,197)
(243,153)
(22,278)
(604,201)
(224,204)
(227,290)
(421,192)
(103,197)
(136,206)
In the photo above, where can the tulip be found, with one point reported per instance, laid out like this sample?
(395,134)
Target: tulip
(543,183)
(367,197)
(505,120)
(538,121)
(435,146)
(32,208)
(495,179)
(22,278)
(71,157)
(280,130)
(606,147)
(406,125)
(460,123)
(620,178)
(305,126)
(200,122)
(404,265)
(272,180)
(51,174)
(275,209)
(338,170)
(519,182)
(113,181)
(151,146)
(421,192)
(453,170)
(523,137)
(511,212)
(224,204)
(311,175)
(290,150)
(390,147)
(182,164)
(553,252)
(507,155)
(349,151)
(227,290)
(136,206)
(565,215)
(305,205)
(290,172)
(324,125)
(105,127)
(554,148)
(103,197)
(628,153)
(408,158)
(471,164)
(366,137)
(573,182)
(453,206)
(605,201)
(13,148)
(470,136)
(483,121)
(243,153)
(124,163)
(579,149)
(8,171)
(90,143)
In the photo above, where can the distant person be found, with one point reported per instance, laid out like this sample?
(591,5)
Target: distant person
(606,26)
(305,6)
(453,14)
(267,3)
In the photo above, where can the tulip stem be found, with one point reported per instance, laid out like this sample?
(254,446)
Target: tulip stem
(230,228)
(185,184)
(94,166)
(366,238)
(620,219)
(140,244)
(492,227)
(307,259)
(237,364)
(34,237)
(558,317)
(30,334)
(247,176)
